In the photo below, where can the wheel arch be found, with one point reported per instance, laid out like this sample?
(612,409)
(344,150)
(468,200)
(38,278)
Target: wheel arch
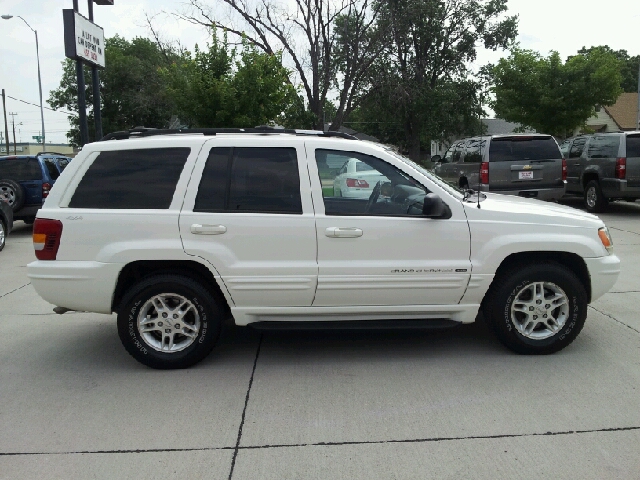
(589,175)
(575,263)
(136,271)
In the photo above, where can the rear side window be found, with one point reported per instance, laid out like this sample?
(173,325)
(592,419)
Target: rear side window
(20,169)
(51,168)
(509,149)
(131,179)
(251,179)
(474,151)
(603,146)
(633,146)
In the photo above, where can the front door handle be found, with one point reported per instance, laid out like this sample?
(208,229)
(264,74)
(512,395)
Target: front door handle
(343,232)
(198,229)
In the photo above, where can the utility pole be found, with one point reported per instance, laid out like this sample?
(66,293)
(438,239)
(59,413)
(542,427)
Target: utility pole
(6,125)
(97,114)
(13,126)
(82,104)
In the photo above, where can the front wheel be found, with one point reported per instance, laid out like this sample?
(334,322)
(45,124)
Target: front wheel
(169,321)
(594,200)
(537,309)
(3,235)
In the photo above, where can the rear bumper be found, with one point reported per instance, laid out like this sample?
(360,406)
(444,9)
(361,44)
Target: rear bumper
(85,286)
(554,193)
(604,272)
(28,211)
(612,187)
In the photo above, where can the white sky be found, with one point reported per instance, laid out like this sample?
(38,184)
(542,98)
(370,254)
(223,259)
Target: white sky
(562,25)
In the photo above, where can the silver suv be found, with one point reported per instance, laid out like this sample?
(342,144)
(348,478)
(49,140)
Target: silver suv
(528,166)
(603,167)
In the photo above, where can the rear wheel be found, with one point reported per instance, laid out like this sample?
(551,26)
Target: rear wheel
(537,309)
(169,321)
(3,235)
(594,200)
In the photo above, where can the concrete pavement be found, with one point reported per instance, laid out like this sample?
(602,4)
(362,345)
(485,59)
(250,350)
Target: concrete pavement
(450,404)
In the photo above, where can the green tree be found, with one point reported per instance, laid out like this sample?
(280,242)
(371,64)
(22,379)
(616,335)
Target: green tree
(420,87)
(131,90)
(628,66)
(550,96)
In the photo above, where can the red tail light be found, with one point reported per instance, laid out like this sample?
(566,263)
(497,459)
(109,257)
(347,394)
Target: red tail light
(46,238)
(621,168)
(564,169)
(356,183)
(484,173)
(46,187)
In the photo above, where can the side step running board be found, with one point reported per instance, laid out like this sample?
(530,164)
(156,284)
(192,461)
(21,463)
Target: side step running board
(438,323)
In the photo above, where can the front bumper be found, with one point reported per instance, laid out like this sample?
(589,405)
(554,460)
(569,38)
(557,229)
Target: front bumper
(84,286)
(604,272)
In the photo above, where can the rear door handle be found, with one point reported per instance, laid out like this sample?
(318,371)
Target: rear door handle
(343,232)
(208,229)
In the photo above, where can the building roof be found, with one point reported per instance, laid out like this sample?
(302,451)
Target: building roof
(624,112)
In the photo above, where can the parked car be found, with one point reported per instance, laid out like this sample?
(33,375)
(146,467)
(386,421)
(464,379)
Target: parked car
(603,167)
(356,180)
(6,220)
(26,180)
(529,166)
(176,232)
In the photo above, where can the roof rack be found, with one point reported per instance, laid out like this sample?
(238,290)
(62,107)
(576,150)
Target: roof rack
(52,153)
(140,132)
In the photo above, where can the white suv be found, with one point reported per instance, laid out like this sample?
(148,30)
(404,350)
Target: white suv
(174,231)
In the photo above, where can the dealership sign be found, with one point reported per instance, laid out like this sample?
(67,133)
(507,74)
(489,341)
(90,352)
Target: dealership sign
(83,39)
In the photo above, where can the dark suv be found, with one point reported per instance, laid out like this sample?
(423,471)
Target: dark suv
(25,181)
(528,166)
(603,167)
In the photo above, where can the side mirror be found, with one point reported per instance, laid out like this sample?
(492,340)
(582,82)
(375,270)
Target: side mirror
(434,207)
(436,159)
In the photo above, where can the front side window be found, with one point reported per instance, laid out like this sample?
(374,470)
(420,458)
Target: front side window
(250,179)
(377,189)
(131,179)
(577,148)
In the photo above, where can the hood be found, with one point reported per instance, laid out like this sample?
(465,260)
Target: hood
(514,209)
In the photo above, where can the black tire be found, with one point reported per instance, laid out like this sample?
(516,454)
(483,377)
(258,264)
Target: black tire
(598,202)
(14,193)
(506,290)
(29,221)
(3,235)
(141,347)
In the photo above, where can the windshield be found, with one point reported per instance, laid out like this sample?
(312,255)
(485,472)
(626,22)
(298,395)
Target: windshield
(450,187)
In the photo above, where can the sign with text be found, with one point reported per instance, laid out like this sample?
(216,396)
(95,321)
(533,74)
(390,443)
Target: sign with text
(83,40)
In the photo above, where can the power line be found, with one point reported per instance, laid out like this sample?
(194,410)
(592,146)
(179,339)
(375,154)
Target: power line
(36,105)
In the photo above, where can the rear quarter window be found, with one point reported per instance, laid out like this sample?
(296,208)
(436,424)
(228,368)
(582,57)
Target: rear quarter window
(603,146)
(633,146)
(20,169)
(511,149)
(131,179)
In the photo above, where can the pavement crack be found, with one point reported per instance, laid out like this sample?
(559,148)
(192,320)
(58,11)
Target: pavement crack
(244,410)
(14,290)
(327,444)
(622,230)
(614,319)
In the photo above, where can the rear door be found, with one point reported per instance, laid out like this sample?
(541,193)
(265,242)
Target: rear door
(248,212)
(524,162)
(633,160)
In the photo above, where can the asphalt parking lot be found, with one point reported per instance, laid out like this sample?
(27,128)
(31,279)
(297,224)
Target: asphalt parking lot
(364,405)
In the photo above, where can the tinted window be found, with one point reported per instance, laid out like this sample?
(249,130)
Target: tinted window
(20,169)
(363,167)
(264,180)
(601,146)
(474,151)
(509,149)
(457,151)
(564,148)
(51,168)
(212,190)
(62,163)
(633,146)
(577,148)
(131,179)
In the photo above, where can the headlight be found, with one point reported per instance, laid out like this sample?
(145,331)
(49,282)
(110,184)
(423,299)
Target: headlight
(605,238)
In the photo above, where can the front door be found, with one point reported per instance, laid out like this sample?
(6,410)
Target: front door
(248,212)
(380,250)
(575,164)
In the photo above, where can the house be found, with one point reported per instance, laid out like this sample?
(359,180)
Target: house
(620,116)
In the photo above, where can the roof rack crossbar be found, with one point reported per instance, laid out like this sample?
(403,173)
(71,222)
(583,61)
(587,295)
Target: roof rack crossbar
(140,132)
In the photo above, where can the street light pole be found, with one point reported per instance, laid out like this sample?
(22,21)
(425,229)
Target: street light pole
(7,17)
